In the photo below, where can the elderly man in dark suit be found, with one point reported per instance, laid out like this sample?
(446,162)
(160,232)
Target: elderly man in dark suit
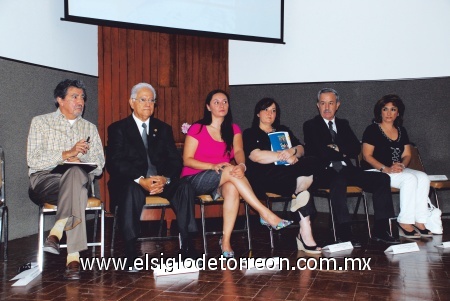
(332,140)
(142,159)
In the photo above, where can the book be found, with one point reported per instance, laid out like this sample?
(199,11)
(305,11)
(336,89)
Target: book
(280,141)
(63,167)
(437,177)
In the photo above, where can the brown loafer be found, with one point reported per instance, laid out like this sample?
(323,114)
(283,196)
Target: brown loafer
(51,245)
(72,271)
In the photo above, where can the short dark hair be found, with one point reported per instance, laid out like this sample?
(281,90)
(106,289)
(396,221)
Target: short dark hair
(262,105)
(62,87)
(396,101)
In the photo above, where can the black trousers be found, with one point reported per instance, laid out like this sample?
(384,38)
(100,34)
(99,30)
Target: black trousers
(130,197)
(376,183)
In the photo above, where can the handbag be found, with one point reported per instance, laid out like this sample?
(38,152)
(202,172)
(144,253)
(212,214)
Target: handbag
(434,221)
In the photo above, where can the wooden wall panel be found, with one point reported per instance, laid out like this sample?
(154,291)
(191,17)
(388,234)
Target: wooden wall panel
(183,69)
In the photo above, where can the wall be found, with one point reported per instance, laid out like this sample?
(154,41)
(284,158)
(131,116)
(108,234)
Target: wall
(426,117)
(26,91)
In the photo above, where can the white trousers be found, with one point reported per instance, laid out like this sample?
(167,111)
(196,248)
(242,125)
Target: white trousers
(414,188)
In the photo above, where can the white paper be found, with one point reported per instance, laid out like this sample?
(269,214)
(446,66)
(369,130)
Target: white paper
(25,272)
(338,247)
(271,263)
(402,248)
(437,177)
(445,244)
(163,270)
(26,276)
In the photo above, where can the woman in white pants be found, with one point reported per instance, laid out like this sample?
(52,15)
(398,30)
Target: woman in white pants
(386,149)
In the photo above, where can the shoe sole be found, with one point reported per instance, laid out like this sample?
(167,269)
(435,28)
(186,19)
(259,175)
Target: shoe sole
(402,234)
(300,200)
(51,250)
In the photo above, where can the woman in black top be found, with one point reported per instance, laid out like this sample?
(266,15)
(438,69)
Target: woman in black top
(386,149)
(293,178)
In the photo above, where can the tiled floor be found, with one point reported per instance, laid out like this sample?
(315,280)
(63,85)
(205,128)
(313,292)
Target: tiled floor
(422,275)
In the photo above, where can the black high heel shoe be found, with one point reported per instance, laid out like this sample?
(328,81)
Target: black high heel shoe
(407,234)
(305,248)
(425,232)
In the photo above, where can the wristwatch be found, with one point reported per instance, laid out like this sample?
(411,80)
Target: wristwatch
(334,146)
(167,181)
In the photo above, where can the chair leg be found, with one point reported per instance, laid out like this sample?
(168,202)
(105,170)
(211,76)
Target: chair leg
(247,220)
(202,209)
(94,238)
(113,236)
(4,232)
(161,221)
(40,259)
(2,226)
(434,191)
(390,224)
(332,219)
(272,244)
(358,202)
(367,213)
(5,243)
(102,232)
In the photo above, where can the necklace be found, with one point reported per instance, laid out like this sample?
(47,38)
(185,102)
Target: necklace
(214,127)
(390,140)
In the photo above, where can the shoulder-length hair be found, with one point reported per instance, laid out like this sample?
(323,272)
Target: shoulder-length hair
(396,102)
(262,105)
(226,129)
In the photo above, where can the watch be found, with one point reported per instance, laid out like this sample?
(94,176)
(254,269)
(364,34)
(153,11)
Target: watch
(334,146)
(167,181)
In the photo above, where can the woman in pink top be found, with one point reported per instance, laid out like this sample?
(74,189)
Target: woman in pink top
(211,143)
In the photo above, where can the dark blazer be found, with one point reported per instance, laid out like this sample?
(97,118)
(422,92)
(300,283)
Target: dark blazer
(317,137)
(125,151)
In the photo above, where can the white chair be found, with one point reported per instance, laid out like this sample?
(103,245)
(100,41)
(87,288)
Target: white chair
(94,204)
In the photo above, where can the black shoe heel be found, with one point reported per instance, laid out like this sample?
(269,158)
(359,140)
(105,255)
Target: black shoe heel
(301,246)
(407,234)
(425,232)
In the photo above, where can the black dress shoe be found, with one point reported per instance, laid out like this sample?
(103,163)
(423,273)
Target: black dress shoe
(385,237)
(72,271)
(51,245)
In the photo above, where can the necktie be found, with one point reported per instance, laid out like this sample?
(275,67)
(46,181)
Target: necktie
(337,165)
(151,169)
(144,135)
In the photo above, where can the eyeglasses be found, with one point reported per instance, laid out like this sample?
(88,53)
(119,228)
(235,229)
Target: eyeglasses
(144,100)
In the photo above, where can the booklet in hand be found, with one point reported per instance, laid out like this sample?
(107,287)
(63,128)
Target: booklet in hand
(280,141)
(62,168)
